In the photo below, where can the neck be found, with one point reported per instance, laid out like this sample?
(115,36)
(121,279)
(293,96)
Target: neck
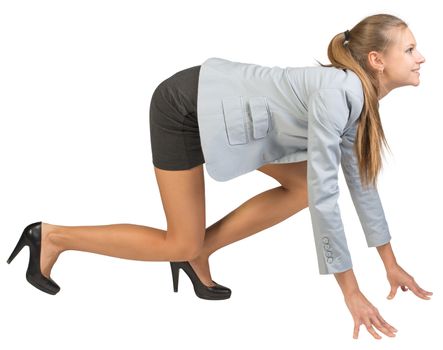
(382,94)
(383,89)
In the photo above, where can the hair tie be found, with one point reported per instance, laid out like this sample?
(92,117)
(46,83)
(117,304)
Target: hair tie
(347,37)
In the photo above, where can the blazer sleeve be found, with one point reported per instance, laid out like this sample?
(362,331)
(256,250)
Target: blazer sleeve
(328,114)
(366,200)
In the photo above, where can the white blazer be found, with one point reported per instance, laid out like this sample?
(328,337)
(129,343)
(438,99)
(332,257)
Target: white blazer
(250,115)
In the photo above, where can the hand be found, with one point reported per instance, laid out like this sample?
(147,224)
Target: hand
(398,277)
(363,312)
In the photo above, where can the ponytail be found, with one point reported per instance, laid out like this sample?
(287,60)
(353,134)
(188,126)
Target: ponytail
(349,50)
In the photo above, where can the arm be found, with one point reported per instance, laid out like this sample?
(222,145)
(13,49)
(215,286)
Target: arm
(366,200)
(328,117)
(372,218)
(328,145)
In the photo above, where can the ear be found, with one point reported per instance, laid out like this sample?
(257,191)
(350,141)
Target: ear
(376,60)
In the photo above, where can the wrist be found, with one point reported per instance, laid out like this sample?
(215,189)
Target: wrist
(387,256)
(347,282)
(390,266)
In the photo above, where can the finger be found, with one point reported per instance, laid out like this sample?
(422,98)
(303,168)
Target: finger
(356,329)
(383,321)
(371,330)
(382,326)
(393,292)
(424,291)
(422,295)
(416,290)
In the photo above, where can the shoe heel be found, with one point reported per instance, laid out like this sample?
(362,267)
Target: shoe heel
(175,272)
(20,244)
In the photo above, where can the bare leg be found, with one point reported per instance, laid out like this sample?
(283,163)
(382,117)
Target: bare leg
(258,213)
(183,198)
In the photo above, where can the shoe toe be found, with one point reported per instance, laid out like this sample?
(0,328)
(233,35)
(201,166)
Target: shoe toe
(221,289)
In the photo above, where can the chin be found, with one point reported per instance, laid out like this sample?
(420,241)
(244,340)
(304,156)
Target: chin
(413,82)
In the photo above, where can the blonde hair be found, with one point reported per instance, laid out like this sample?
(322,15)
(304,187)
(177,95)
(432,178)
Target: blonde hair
(373,33)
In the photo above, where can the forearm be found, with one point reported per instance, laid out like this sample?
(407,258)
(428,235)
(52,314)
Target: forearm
(387,255)
(347,282)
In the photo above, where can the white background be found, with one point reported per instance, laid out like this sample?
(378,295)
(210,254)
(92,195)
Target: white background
(75,87)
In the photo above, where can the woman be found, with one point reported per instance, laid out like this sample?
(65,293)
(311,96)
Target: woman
(295,125)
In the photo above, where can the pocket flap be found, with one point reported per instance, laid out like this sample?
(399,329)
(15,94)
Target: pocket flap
(260,116)
(233,113)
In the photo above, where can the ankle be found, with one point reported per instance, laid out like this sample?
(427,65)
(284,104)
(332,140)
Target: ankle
(53,236)
(203,256)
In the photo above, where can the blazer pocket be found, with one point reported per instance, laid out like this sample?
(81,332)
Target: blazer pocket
(260,115)
(234,115)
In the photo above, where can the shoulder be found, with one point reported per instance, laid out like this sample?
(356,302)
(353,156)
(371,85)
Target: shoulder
(353,85)
(338,97)
(320,78)
(345,82)
(355,98)
(342,79)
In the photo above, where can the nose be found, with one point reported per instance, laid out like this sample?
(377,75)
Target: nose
(421,58)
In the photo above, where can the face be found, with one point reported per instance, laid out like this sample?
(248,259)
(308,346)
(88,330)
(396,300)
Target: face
(401,62)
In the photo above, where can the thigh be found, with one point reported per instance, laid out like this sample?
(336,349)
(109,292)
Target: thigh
(292,176)
(183,197)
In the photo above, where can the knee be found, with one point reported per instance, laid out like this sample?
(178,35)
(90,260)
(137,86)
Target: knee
(299,198)
(299,195)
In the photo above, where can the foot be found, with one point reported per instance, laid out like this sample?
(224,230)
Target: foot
(49,252)
(201,268)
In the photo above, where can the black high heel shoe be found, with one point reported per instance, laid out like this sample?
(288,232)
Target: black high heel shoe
(217,292)
(32,237)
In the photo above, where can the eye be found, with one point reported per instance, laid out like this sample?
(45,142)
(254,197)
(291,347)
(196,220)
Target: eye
(410,50)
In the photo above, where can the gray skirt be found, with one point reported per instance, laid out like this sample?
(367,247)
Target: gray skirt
(174,132)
